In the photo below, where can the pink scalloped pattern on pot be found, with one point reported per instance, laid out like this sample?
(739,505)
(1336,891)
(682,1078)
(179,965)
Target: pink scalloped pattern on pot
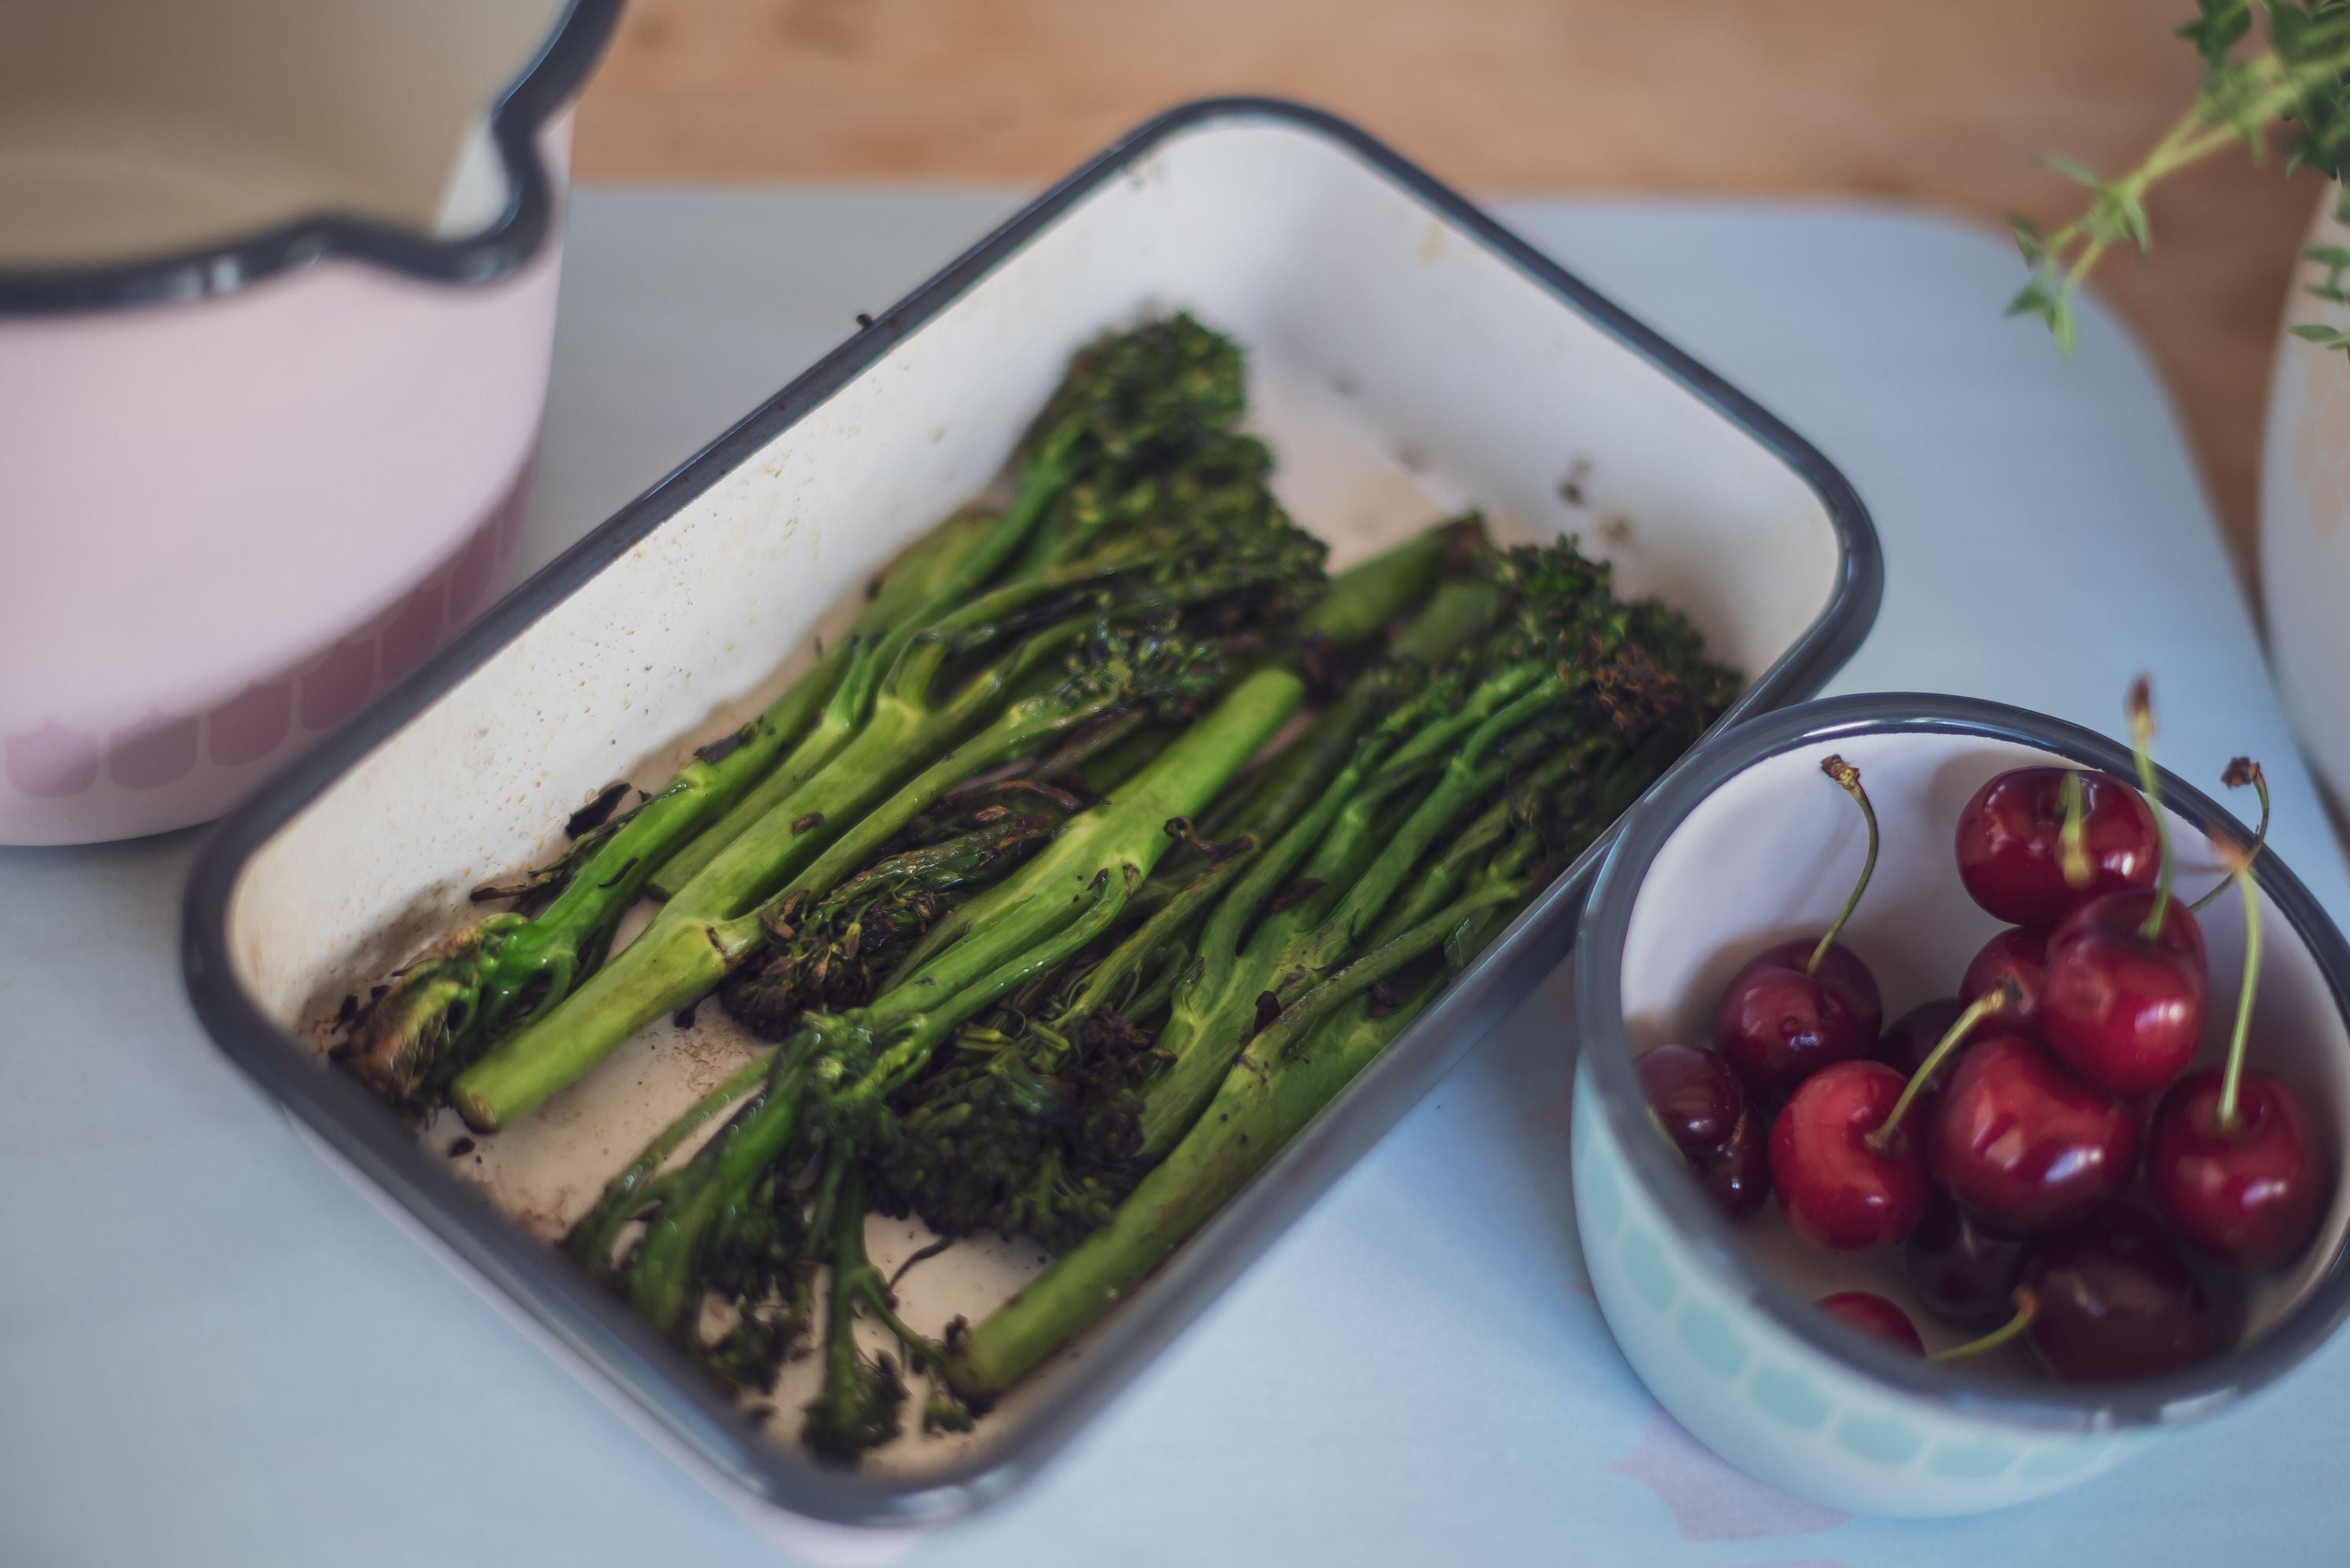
(52,761)
(251,725)
(414,632)
(159,749)
(333,692)
(272,717)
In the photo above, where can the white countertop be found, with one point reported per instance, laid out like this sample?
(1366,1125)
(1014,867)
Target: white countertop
(213,1350)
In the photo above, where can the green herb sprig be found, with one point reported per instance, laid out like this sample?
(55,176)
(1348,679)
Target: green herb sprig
(2300,81)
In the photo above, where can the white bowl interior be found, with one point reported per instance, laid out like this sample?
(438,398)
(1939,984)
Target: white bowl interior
(136,127)
(1771,855)
(1400,369)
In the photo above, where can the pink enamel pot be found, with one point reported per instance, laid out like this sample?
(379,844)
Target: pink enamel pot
(278,286)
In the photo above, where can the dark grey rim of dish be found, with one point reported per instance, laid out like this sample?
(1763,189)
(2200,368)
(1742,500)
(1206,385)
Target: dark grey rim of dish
(1606,1052)
(543,87)
(589,1319)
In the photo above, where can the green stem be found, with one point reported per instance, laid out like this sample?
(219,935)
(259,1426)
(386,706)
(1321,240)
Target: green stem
(660,1279)
(1269,799)
(2072,837)
(2140,711)
(2242,772)
(2005,996)
(1018,730)
(2027,1307)
(591,1236)
(797,719)
(1358,872)
(1253,1116)
(897,742)
(1848,778)
(1132,830)
(2239,1041)
(1370,595)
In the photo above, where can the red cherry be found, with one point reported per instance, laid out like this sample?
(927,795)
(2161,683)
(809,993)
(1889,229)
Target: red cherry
(2008,843)
(1797,1007)
(1962,1270)
(1699,1102)
(2023,1143)
(1909,1039)
(1872,1316)
(2015,954)
(2122,1009)
(1839,1186)
(2250,1194)
(2115,1302)
(1779,1025)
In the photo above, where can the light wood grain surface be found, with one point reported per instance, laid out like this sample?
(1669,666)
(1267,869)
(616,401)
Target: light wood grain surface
(1915,100)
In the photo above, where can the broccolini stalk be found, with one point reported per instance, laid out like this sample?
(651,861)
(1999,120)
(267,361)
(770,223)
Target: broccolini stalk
(1319,887)
(536,968)
(509,968)
(699,935)
(832,1080)
(859,1405)
(832,952)
(1652,695)
(1288,1072)
(1027,1129)
(1132,407)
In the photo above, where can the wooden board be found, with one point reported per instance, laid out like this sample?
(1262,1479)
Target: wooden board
(1903,99)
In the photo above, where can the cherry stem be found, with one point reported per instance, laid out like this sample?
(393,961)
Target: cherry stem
(2027,1307)
(2007,995)
(2071,839)
(2140,707)
(1846,775)
(2239,871)
(2242,772)
(1658,1122)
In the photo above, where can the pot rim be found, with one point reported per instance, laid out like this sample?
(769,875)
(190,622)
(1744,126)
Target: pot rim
(536,94)
(1606,1054)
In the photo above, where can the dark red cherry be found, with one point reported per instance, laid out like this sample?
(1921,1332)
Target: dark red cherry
(2023,1143)
(2249,1194)
(2122,1009)
(1840,1186)
(1802,1005)
(2015,954)
(1700,1105)
(1964,1271)
(2008,850)
(2115,1302)
(1909,1039)
(1874,1317)
(1779,1025)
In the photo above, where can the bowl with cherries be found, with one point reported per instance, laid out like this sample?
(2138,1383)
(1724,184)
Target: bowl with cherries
(1960,1102)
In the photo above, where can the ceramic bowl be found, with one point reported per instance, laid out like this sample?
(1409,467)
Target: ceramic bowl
(1746,843)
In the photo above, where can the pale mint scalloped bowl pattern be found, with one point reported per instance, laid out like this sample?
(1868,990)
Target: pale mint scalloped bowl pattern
(1777,1408)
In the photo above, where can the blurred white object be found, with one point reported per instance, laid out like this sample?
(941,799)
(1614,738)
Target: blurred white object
(2305,520)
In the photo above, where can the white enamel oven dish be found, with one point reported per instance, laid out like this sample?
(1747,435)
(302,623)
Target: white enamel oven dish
(1408,357)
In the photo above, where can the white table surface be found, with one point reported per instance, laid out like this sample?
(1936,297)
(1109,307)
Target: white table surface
(212,1350)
